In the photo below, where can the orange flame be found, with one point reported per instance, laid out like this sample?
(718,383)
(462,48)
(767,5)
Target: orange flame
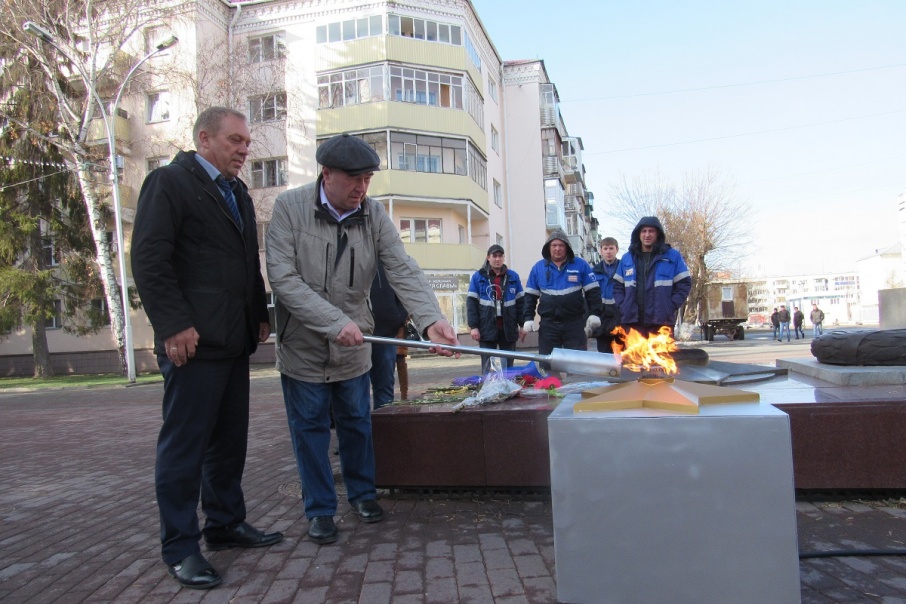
(639,352)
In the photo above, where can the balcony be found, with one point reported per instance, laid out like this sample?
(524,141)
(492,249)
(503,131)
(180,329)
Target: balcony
(555,216)
(97,132)
(446,256)
(553,167)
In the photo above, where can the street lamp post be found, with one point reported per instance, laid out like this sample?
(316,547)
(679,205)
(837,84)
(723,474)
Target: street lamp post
(36,30)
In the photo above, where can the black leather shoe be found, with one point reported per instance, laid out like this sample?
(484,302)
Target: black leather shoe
(194,572)
(321,529)
(239,535)
(368,510)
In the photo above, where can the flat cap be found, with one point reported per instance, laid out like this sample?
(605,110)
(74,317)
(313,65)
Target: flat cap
(495,249)
(349,154)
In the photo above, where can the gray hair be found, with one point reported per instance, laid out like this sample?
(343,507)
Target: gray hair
(209,121)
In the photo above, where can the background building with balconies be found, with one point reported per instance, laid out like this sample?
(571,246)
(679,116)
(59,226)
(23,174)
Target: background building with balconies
(474,151)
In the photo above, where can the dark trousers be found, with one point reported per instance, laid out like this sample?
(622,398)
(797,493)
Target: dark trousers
(561,334)
(201,447)
(383,366)
(499,344)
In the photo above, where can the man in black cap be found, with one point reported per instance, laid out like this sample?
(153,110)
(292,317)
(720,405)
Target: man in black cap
(494,306)
(323,245)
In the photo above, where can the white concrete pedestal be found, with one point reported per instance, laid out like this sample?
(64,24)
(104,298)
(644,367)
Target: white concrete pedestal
(657,506)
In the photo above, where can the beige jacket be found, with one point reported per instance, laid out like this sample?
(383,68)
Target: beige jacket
(321,272)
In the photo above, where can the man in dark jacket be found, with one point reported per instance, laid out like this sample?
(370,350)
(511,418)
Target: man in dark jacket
(566,294)
(610,314)
(389,317)
(652,282)
(798,318)
(494,306)
(196,266)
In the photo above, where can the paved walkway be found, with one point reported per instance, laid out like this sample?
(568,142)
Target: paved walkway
(78,521)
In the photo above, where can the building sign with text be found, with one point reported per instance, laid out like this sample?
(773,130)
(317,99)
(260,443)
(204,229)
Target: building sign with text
(437,283)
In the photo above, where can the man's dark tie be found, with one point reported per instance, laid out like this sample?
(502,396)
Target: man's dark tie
(230,198)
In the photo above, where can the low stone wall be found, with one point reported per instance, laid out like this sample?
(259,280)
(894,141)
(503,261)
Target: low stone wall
(102,361)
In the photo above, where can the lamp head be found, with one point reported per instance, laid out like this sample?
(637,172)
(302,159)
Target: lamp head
(32,28)
(168,43)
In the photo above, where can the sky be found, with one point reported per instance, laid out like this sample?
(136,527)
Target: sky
(801,104)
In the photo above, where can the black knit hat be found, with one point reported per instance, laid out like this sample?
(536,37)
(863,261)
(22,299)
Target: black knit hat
(348,153)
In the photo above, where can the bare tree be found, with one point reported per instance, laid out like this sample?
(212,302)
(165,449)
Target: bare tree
(703,217)
(86,56)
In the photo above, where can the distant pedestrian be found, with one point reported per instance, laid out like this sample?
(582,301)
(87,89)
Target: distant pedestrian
(817,318)
(775,323)
(798,318)
(784,317)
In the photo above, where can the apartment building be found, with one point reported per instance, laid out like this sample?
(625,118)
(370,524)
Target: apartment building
(474,148)
(838,295)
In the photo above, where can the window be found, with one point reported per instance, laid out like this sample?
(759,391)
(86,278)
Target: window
(158,107)
(492,88)
(500,240)
(495,139)
(351,87)
(472,52)
(268,173)
(156,162)
(350,29)
(420,230)
(498,195)
(422,153)
(154,36)
(56,320)
(99,317)
(420,29)
(110,236)
(462,233)
(426,87)
(50,252)
(267,108)
(266,48)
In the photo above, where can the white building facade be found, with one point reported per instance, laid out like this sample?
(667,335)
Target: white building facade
(420,81)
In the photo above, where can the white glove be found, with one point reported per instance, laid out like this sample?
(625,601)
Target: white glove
(591,324)
(528,326)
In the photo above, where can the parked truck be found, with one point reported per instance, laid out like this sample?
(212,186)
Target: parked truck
(724,310)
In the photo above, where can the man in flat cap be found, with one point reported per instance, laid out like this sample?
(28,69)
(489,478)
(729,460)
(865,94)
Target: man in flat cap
(323,244)
(494,306)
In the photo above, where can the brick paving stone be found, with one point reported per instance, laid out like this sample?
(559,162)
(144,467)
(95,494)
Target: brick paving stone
(531,566)
(505,582)
(470,573)
(437,568)
(441,590)
(379,571)
(376,593)
(407,582)
(499,559)
(475,594)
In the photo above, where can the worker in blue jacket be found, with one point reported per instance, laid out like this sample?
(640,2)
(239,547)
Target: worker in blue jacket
(610,313)
(566,294)
(494,306)
(652,281)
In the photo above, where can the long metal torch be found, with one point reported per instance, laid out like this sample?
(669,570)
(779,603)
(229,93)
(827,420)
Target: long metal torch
(582,362)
